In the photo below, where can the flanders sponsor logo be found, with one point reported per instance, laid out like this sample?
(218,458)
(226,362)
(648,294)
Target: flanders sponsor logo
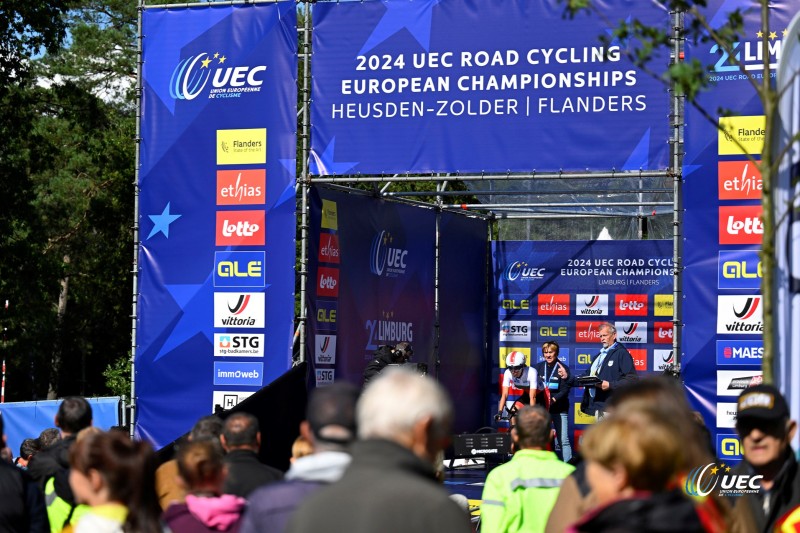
(242,147)
(739,269)
(325,349)
(591,304)
(662,305)
(740,353)
(191,75)
(238,345)
(631,332)
(553,304)
(740,224)
(739,315)
(739,180)
(239,269)
(239,310)
(330,218)
(581,417)
(741,135)
(240,228)
(503,352)
(241,187)
(247,374)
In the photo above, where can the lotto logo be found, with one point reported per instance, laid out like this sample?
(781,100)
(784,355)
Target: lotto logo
(740,224)
(631,304)
(328,282)
(662,332)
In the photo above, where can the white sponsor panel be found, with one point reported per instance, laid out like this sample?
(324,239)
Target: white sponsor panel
(662,359)
(631,332)
(238,345)
(726,415)
(325,349)
(239,310)
(740,315)
(514,331)
(591,304)
(228,399)
(733,382)
(325,376)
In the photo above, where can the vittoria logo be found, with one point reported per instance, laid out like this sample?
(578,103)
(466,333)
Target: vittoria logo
(553,304)
(238,310)
(662,359)
(325,349)
(631,332)
(591,304)
(739,314)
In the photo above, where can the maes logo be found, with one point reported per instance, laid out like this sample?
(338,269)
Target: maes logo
(191,76)
(740,353)
(631,332)
(591,304)
(386,260)
(522,271)
(739,314)
(237,310)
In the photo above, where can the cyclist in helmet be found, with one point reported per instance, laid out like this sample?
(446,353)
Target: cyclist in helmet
(522,377)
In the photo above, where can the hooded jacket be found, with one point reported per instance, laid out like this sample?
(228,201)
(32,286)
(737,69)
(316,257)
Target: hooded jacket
(206,515)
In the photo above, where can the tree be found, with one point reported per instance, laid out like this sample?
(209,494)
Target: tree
(690,79)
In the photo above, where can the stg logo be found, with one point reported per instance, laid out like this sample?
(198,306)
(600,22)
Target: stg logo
(740,224)
(385,258)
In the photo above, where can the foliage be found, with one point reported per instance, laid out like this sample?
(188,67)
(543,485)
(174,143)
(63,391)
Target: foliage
(118,376)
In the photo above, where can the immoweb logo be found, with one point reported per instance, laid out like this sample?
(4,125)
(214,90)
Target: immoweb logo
(703,480)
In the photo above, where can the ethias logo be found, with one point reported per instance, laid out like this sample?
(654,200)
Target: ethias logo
(192,74)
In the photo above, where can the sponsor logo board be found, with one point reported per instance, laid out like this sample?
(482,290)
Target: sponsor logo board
(328,282)
(238,345)
(239,269)
(325,349)
(630,304)
(591,304)
(663,305)
(733,382)
(239,310)
(741,135)
(515,331)
(503,351)
(328,248)
(242,147)
(244,374)
(327,315)
(330,217)
(740,224)
(514,305)
(739,180)
(241,187)
(563,355)
(740,315)
(662,359)
(729,447)
(228,399)
(552,331)
(553,304)
(240,228)
(631,332)
(662,332)
(324,376)
(739,353)
(726,415)
(639,356)
(523,271)
(739,269)
(587,331)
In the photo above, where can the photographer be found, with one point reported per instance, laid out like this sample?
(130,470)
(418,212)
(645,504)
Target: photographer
(398,354)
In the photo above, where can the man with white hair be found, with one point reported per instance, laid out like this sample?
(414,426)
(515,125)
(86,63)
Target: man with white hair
(403,423)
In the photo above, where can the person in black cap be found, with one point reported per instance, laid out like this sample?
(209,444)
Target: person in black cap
(330,427)
(399,354)
(766,432)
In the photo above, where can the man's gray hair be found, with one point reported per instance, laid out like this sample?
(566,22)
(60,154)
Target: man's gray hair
(397,400)
(609,326)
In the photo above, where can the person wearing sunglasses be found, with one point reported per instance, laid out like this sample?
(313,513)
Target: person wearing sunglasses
(522,377)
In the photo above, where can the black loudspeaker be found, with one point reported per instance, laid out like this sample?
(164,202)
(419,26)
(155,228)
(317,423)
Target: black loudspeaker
(481,444)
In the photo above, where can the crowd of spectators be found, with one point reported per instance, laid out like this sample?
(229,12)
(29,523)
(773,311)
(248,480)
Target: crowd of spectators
(367,461)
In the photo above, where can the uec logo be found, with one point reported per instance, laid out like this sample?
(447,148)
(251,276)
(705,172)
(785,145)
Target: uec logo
(383,255)
(521,268)
(188,80)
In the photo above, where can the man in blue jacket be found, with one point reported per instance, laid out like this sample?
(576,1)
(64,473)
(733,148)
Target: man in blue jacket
(613,366)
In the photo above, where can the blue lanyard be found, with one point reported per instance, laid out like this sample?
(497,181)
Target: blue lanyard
(555,366)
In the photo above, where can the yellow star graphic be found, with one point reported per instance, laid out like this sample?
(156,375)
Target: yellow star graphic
(759,34)
(773,35)
(714,470)
(722,465)
(205,62)
(222,59)
(216,55)
(785,32)
(728,469)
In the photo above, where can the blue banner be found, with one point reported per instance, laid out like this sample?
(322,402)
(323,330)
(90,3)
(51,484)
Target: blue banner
(563,290)
(481,85)
(216,209)
(722,308)
(371,282)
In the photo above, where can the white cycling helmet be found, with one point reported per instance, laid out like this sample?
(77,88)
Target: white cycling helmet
(515,360)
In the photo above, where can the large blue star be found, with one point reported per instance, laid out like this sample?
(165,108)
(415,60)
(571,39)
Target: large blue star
(323,164)
(413,16)
(161,222)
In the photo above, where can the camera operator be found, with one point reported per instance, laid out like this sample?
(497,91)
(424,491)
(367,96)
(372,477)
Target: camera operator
(399,354)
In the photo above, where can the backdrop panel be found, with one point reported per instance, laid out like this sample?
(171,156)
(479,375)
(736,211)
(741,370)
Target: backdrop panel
(722,311)
(562,290)
(217,209)
(371,282)
(480,85)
